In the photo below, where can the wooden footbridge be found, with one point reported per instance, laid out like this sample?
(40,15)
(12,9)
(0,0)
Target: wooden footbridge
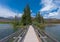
(29,34)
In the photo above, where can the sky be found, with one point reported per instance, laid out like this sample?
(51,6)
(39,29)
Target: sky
(47,8)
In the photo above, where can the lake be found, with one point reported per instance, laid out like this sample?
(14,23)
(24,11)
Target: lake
(5,30)
(54,31)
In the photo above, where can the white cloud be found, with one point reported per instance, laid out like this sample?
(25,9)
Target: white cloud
(57,2)
(46,8)
(20,15)
(6,12)
(50,5)
(53,15)
(45,2)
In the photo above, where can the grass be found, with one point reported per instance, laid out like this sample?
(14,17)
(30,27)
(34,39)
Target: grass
(6,22)
(16,27)
(41,26)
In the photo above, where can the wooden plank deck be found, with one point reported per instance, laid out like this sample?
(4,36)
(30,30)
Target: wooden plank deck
(31,36)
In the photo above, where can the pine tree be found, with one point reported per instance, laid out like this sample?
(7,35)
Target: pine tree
(15,21)
(26,18)
(38,17)
(42,19)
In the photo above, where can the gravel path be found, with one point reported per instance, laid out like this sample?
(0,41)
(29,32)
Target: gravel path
(31,35)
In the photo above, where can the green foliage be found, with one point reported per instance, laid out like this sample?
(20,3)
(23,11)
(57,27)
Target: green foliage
(39,21)
(15,21)
(39,18)
(26,18)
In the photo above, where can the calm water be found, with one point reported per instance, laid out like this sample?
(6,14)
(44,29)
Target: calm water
(5,30)
(54,31)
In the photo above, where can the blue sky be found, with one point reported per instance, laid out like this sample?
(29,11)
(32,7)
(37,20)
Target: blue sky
(47,8)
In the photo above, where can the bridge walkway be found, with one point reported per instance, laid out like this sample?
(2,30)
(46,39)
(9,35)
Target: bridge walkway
(31,35)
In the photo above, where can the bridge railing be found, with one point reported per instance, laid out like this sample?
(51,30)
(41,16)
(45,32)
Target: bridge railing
(10,38)
(44,36)
(21,37)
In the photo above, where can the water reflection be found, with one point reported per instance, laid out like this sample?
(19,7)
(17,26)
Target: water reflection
(53,30)
(5,30)
(42,27)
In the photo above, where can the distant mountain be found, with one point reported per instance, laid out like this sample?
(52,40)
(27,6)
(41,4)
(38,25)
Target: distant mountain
(9,19)
(3,19)
(52,20)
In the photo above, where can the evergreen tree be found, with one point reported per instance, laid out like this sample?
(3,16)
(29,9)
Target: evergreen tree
(38,17)
(15,21)
(23,20)
(26,18)
(42,19)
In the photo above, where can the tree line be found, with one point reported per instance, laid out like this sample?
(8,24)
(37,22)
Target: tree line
(26,18)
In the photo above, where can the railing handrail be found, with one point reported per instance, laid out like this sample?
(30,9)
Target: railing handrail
(10,36)
(5,39)
(46,34)
(23,35)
